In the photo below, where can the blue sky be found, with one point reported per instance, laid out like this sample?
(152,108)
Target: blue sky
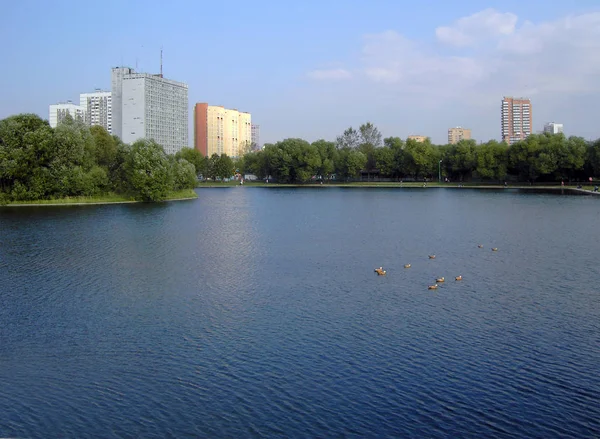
(311,69)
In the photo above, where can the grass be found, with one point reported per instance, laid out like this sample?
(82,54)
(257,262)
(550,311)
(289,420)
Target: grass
(105,199)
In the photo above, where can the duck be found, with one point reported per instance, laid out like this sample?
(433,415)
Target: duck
(458,278)
(431,256)
(440,280)
(480,246)
(495,249)
(432,287)
(406,265)
(380,271)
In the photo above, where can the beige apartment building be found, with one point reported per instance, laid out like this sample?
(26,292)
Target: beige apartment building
(222,131)
(457,134)
(418,138)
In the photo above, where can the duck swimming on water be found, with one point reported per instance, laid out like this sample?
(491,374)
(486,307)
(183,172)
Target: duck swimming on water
(380,271)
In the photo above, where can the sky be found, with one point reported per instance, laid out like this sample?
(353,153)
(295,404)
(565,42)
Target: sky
(311,69)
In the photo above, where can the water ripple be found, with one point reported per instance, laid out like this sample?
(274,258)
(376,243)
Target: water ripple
(256,313)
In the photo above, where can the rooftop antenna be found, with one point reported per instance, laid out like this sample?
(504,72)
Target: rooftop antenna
(161,74)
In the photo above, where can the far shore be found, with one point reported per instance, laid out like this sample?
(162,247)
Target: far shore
(182,195)
(584,189)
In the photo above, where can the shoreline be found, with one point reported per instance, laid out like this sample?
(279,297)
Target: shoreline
(385,185)
(92,203)
(388,185)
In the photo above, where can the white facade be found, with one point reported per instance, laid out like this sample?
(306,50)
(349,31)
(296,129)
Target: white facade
(57,112)
(553,128)
(98,108)
(154,108)
(118,73)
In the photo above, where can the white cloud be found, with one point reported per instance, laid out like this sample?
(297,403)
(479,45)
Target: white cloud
(471,30)
(484,56)
(559,56)
(333,74)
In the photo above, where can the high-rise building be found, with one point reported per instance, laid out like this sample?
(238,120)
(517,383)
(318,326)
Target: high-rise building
(255,136)
(417,138)
(516,119)
(57,113)
(553,128)
(221,131)
(98,108)
(154,108)
(117,76)
(457,134)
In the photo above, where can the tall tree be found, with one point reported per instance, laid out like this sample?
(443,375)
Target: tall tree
(349,139)
(369,134)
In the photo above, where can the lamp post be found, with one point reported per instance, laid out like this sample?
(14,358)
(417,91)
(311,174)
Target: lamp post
(440,171)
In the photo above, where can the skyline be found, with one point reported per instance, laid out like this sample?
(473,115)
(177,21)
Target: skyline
(408,69)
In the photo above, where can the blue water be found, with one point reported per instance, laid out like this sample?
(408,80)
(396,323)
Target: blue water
(255,312)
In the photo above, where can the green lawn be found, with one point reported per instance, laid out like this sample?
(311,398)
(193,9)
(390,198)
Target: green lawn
(106,198)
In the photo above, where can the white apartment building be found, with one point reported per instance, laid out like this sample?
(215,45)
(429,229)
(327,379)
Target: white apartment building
(57,112)
(153,108)
(118,73)
(553,128)
(98,108)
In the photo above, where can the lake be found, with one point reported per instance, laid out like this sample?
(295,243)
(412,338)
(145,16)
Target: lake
(255,312)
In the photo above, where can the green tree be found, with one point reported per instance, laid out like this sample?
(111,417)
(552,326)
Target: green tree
(148,171)
(593,157)
(492,160)
(278,162)
(184,174)
(225,167)
(212,166)
(105,146)
(193,156)
(327,153)
(396,146)
(420,159)
(26,144)
(349,163)
(572,156)
(462,159)
(384,157)
(306,160)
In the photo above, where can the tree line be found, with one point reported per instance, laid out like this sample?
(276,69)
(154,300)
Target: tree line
(363,153)
(38,162)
